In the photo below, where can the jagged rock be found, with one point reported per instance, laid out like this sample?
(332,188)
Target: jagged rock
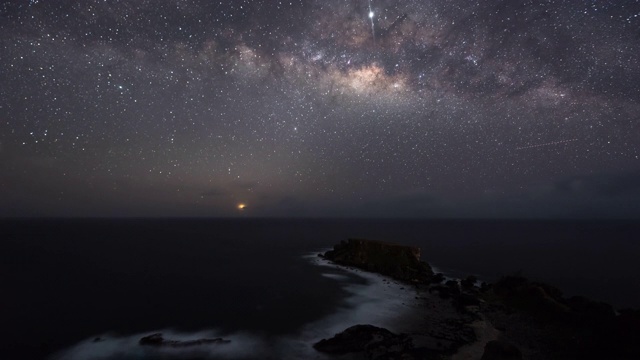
(437,278)
(374,342)
(443,291)
(454,286)
(593,311)
(583,328)
(157,340)
(538,298)
(628,331)
(468,300)
(397,261)
(469,282)
(500,350)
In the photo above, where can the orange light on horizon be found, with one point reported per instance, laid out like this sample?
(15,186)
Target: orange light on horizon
(241,206)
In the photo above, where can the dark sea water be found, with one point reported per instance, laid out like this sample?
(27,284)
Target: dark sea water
(63,282)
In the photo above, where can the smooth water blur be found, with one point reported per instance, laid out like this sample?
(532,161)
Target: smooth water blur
(65,280)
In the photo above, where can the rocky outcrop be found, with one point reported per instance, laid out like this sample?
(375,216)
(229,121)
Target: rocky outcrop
(540,299)
(159,341)
(397,261)
(537,316)
(373,342)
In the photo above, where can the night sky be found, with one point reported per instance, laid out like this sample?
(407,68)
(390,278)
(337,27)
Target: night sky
(332,108)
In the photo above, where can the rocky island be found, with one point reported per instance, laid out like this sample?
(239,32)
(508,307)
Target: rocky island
(515,318)
(396,261)
(158,340)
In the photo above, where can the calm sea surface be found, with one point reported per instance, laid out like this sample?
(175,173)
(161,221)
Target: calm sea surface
(63,281)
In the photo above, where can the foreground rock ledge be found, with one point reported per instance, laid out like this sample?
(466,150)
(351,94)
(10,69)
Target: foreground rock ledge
(397,261)
(373,341)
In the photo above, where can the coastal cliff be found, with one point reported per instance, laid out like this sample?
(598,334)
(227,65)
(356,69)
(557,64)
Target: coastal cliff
(514,318)
(397,261)
(435,328)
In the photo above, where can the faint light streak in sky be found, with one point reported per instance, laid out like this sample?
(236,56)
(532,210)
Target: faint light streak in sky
(546,144)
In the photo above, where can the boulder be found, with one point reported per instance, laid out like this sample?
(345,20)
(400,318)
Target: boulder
(443,291)
(591,311)
(539,299)
(397,261)
(500,350)
(374,342)
(469,282)
(468,300)
(453,285)
(438,278)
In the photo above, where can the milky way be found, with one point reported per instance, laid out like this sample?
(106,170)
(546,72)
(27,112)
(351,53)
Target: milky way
(320,108)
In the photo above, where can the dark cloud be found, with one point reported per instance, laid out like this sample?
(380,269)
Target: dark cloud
(601,195)
(288,205)
(418,205)
(624,185)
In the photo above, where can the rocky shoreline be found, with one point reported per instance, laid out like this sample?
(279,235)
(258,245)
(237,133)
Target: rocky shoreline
(398,308)
(512,319)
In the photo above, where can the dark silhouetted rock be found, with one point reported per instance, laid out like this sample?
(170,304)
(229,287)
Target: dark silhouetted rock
(540,299)
(397,261)
(443,291)
(627,330)
(500,350)
(583,328)
(592,311)
(157,340)
(375,342)
(437,278)
(469,282)
(468,300)
(454,287)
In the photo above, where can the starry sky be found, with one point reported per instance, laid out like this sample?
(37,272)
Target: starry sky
(320,108)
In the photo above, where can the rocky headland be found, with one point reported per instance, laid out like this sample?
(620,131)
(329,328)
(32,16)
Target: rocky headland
(396,261)
(157,340)
(514,318)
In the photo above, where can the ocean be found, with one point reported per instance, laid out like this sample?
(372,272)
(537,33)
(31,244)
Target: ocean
(73,289)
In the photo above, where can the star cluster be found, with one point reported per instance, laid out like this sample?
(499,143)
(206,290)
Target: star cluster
(320,108)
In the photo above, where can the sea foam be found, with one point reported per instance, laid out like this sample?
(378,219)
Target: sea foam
(372,299)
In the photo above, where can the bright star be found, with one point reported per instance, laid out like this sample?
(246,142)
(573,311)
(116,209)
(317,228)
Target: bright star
(371,14)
